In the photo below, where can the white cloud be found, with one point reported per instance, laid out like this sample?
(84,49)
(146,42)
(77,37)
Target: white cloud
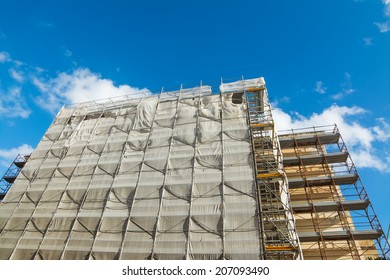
(285,99)
(367,41)
(320,87)
(346,87)
(39,70)
(79,86)
(4,57)
(13,152)
(67,52)
(387,10)
(383,26)
(382,130)
(12,104)
(366,159)
(361,140)
(8,155)
(16,75)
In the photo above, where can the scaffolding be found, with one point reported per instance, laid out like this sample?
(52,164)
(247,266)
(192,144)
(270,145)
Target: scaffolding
(280,239)
(11,174)
(189,175)
(166,176)
(335,218)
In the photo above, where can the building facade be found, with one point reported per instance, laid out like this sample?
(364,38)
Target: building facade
(187,174)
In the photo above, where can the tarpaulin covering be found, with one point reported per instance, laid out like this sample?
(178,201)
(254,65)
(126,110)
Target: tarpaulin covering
(168,176)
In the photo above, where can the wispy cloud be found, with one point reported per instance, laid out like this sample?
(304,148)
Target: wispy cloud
(320,87)
(382,130)
(360,139)
(45,24)
(346,87)
(66,52)
(387,7)
(367,41)
(8,155)
(16,75)
(79,86)
(285,99)
(4,57)
(13,104)
(385,25)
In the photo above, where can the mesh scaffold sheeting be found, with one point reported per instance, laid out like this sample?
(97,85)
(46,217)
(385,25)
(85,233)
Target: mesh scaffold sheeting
(166,176)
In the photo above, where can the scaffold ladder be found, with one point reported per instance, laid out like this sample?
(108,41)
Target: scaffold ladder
(280,238)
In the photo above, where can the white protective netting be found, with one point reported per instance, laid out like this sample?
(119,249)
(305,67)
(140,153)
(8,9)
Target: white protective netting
(162,177)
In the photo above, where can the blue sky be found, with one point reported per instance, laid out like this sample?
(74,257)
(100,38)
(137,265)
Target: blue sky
(323,62)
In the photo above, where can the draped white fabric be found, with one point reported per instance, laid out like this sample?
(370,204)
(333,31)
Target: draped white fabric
(165,177)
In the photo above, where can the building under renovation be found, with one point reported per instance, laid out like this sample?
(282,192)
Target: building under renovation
(188,174)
